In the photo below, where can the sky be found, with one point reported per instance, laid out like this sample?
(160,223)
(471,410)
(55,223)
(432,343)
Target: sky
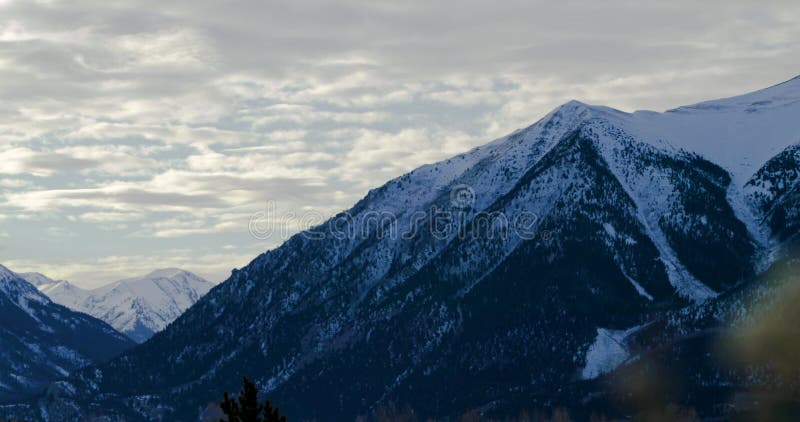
(143,135)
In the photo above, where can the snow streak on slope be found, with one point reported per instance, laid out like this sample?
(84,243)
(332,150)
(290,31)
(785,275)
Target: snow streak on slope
(607,352)
(652,191)
(768,246)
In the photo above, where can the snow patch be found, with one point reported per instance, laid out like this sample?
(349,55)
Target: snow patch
(607,352)
(610,230)
(639,289)
(767,247)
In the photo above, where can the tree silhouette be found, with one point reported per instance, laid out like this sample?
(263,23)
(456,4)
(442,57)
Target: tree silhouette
(246,408)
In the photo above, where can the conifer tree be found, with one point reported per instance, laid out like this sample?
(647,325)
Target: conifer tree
(246,408)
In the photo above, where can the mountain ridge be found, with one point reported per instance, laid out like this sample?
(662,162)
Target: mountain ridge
(137,306)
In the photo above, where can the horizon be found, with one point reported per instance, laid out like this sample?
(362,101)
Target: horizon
(114,163)
(133,277)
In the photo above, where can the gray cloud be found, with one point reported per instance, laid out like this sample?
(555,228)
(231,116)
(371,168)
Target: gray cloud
(58,163)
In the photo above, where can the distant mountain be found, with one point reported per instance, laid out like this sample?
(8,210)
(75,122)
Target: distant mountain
(138,307)
(41,341)
(59,291)
(38,279)
(534,265)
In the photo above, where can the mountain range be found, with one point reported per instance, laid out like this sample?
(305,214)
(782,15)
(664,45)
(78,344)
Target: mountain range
(41,341)
(137,307)
(525,273)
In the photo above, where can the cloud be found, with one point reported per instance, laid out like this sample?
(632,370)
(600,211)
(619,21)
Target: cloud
(107,217)
(120,196)
(27,161)
(15,183)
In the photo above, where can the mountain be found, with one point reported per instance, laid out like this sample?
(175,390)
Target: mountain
(142,306)
(60,291)
(39,279)
(41,341)
(734,357)
(521,269)
(137,307)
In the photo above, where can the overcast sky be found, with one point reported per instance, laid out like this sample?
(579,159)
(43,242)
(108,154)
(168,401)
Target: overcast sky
(141,135)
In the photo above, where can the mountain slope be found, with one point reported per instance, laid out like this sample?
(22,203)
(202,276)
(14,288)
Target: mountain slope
(733,357)
(137,307)
(775,190)
(740,134)
(41,341)
(507,268)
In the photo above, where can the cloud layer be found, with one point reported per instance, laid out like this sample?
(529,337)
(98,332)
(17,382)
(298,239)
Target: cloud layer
(144,135)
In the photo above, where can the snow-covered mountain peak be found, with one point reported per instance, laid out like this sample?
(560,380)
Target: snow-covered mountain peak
(155,287)
(738,133)
(6,274)
(39,279)
(141,306)
(137,307)
(574,105)
(18,290)
(779,95)
(167,273)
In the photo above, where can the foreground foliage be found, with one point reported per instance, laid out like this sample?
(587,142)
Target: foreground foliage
(247,408)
